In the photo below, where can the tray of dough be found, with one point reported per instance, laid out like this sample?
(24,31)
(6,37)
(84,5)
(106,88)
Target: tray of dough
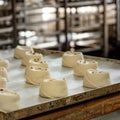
(31,103)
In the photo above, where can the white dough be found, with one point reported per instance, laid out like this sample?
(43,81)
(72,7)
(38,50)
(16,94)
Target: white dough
(30,55)
(70,58)
(96,79)
(3,72)
(9,100)
(81,67)
(3,82)
(19,51)
(52,88)
(35,75)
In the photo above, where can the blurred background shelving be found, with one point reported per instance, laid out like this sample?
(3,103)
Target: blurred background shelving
(44,20)
(5,23)
(90,26)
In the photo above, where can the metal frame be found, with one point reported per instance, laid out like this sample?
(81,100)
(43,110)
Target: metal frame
(105,25)
(118,22)
(15,40)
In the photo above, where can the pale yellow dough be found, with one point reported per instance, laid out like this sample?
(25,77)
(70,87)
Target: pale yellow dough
(38,62)
(70,58)
(82,66)
(35,75)
(9,100)
(3,82)
(96,79)
(19,51)
(4,63)
(52,88)
(30,55)
(3,72)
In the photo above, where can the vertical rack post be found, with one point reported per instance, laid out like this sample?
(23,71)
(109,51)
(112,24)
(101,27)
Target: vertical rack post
(106,42)
(57,25)
(118,22)
(14,24)
(66,27)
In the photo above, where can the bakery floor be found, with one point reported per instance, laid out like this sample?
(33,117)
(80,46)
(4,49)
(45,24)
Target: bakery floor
(112,116)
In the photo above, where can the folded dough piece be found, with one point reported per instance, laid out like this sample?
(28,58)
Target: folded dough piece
(69,58)
(52,88)
(38,62)
(9,100)
(19,51)
(4,63)
(96,79)
(30,55)
(3,82)
(3,72)
(35,75)
(81,67)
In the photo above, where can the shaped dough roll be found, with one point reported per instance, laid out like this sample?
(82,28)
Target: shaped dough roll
(69,59)
(4,63)
(81,67)
(52,88)
(30,55)
(96,79)
(3,72)
(38,62)
(3,82)
(35,75)
(9,100)
(19,52)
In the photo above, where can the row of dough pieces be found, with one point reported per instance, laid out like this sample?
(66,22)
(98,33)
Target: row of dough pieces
(92,78)
(9,100)
(4,64)
(37,72)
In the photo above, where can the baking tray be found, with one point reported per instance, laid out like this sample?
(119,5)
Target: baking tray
(30,101)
